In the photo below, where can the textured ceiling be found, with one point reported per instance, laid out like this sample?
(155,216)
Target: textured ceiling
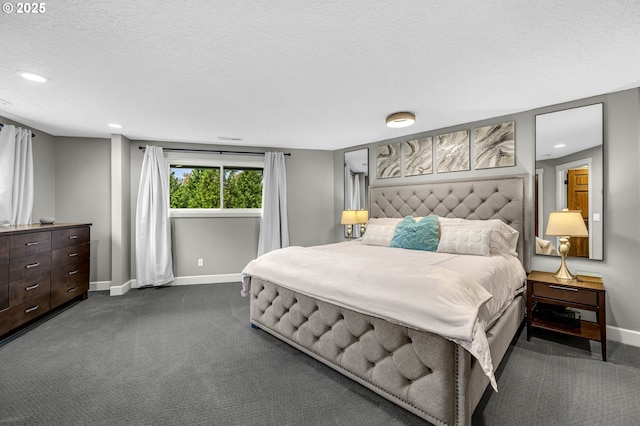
(306,74)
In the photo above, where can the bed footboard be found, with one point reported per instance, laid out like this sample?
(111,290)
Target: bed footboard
(419,371)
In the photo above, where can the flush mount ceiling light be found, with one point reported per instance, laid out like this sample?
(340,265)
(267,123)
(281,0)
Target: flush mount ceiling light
(401,119)
(32,77)
(115,126)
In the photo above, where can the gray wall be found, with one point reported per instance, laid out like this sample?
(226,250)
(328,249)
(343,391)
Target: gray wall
(227,244)
(620,266)
(83,194)
(120,209)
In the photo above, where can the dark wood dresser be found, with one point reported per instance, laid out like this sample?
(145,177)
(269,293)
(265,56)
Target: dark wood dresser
(41,267)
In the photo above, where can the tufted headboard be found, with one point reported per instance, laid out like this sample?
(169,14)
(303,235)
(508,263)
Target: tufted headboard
(505,198)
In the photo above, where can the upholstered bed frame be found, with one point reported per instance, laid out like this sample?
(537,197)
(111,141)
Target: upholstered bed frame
(422,372)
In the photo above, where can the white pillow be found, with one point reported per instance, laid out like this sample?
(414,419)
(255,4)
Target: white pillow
(465,240)
(504,239)
(379,231)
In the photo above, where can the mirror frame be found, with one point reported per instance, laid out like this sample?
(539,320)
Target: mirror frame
(358,156)
(593,159)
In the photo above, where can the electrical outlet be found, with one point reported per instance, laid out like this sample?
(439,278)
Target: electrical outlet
(200,262)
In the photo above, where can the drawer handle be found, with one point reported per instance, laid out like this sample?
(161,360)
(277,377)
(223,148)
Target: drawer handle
(73,272)
(32,243)
(73,237)
(563,288)
(32,265)
(35,308)
(73,254)
(71,290)
(32,287)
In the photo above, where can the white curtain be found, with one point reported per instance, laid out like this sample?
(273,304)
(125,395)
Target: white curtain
(352,195)
(355,203)
(16,176)
(274,227)
(153,228)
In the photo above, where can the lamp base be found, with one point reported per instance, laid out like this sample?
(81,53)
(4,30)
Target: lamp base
(563,272)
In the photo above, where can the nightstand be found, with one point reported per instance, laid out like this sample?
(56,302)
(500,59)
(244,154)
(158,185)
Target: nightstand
(542,287)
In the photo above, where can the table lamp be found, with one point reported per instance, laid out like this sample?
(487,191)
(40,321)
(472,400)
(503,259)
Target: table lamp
(349,218)
(566,224)
(362,217)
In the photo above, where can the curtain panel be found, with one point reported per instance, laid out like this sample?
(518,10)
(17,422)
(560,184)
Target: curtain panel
(16,176)
(274,224)
(154,263)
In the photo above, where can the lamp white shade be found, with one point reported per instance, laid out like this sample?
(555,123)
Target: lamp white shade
(349,217)
(567,223)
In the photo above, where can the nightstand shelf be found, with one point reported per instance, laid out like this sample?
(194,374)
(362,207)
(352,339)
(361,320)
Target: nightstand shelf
(586,329)
(542,287)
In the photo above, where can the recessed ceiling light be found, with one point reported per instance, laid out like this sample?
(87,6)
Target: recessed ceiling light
(115,126)
(32,77)
(401,119)
(560,145)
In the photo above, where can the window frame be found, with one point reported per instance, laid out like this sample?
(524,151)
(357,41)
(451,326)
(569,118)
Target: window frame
(214,160)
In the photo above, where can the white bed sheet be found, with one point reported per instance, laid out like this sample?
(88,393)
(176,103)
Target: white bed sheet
(455,296)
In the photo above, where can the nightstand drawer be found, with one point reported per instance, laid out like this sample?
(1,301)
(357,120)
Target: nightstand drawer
(565,294)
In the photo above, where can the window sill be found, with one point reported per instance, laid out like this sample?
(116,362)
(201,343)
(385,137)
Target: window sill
(182,213)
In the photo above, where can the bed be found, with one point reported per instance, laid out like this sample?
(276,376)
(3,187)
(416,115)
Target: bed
(431,374)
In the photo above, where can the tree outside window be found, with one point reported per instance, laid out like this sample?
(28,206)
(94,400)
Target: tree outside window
(195,187)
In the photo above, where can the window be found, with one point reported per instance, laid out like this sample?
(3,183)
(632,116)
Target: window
(214,185)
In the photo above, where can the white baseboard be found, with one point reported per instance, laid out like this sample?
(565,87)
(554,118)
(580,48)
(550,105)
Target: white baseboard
(189,280)
(207,279)
(100,286)
(622,335)
(119,290)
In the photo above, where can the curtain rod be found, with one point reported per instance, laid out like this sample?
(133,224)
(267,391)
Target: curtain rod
(215,151)
(33,135)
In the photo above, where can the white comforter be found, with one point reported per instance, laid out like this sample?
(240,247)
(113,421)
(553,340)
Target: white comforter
(455,296)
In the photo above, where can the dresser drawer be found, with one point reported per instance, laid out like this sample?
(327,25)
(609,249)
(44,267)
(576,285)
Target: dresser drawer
(24,312)
(31,243)
(70,237)
(70,255)
(68,282)
(23,290)
(565,294)
(29,266)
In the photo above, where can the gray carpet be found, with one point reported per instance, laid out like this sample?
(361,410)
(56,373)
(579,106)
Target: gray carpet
(187,355)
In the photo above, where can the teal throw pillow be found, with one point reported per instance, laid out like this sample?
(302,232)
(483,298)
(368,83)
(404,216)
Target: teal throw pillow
(422,235)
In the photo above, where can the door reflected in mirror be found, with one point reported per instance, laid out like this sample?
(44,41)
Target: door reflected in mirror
(356,182)
(569,174)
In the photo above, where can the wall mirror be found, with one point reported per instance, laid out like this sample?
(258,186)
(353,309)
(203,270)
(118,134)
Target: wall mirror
(356,182)
(569,174)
